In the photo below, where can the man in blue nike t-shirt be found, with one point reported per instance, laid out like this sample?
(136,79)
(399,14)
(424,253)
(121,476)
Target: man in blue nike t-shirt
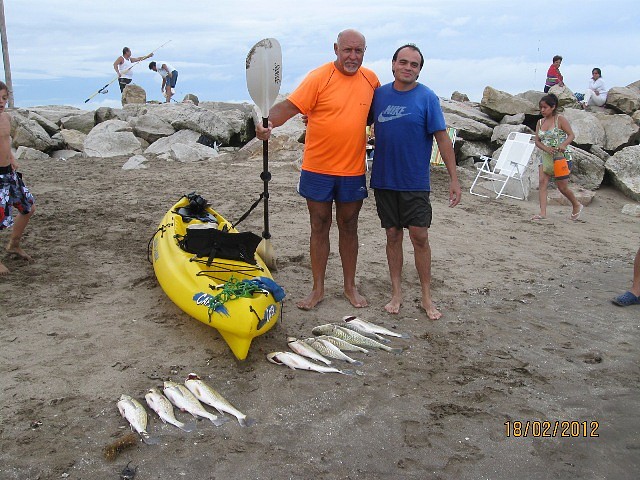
(407,117)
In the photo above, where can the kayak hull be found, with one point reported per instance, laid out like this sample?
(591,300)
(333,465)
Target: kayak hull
(193,285)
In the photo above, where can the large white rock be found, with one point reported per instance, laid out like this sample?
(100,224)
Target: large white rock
(112,138)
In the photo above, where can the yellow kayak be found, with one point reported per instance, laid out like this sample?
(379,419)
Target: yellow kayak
(225,285)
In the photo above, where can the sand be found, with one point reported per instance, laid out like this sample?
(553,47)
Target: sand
(528,334)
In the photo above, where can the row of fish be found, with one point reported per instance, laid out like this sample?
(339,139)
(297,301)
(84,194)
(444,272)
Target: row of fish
(188,398)
(332,341)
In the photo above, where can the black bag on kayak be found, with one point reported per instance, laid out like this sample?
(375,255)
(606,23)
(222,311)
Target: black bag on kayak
(213,243)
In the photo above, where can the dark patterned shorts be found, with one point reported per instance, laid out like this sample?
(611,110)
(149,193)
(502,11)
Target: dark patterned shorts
(13,193)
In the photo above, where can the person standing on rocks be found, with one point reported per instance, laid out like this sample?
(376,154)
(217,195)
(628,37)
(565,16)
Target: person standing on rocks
(123,65)
(169,78)
(13,191)
(407,118)
(336,98)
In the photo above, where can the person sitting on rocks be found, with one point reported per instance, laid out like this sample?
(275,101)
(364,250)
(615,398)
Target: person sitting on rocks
(596,93)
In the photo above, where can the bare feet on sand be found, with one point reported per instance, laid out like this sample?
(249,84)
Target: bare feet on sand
(356,299)
(432,312)
(16,250)
(394,305)
(3,270)
(310,300)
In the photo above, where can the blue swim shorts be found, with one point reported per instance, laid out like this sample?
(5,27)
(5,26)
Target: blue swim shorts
(319,187)
(13,193)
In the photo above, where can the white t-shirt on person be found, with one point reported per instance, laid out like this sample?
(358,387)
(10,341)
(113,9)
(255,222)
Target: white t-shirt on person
(161,70)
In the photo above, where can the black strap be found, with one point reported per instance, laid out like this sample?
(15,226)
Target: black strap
(251,208)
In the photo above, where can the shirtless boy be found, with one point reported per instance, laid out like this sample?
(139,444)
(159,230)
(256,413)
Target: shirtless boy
(13,192)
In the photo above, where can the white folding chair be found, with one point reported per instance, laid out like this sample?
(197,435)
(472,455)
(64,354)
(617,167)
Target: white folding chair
(510,165)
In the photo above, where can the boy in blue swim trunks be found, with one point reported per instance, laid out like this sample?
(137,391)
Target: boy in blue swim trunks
(13,192)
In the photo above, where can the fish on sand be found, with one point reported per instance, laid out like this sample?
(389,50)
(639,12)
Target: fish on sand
(182,398)
(211,397)
(352,336)
(164,408)
(301,348)
(368,327)
(298,362)
(328,349)
(136,415)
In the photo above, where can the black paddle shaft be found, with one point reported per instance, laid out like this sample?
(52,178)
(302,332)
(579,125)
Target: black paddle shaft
(265,176)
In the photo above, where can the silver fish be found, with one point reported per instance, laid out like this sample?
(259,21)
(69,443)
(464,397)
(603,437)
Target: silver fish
(372,327)
(136,415)
(163,407)
(328,349)
(182,398)
(208,395)
(342,344)
(352,337)
(297,362)
(306,350)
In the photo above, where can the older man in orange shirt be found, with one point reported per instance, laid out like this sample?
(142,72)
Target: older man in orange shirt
(336,98)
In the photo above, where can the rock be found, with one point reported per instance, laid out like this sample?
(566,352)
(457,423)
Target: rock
(135,163)
(632,209)
(29,133)
(64,154)
(565,96)
(620,131)
(588,169)
(112,138)
(182,146)
(468,128)
(27,153)
(151,127)
(190,97)
(587,128)
(466,110)
(513,119)
(50,127)
(585,197)
(73,139)
(623,99)
(502,131)
(497,104)
(103,114)
(134,94)
(82,123)
(459,97)
(55,113)
(624,170)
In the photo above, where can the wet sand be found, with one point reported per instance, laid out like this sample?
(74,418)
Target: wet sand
(528,335)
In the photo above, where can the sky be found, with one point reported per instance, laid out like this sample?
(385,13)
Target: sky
(62,52)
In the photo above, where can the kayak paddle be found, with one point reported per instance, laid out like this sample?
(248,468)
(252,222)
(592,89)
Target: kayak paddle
(264,75)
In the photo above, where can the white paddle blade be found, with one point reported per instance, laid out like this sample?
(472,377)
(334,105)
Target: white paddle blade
(264,73)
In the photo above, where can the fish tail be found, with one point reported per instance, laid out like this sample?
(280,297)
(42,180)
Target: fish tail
(357,363)
(247,421)
(187,427)
(348,372)
(217,421)
(394,350)
(148,439)
(405,335)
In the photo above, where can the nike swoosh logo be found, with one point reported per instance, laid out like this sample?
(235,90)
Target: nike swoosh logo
(382,118)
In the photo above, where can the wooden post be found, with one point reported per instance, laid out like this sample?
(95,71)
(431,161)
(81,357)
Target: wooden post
(5,54)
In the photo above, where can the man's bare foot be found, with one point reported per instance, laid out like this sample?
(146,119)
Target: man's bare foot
(16,250)
(3,270)
(310,300)
(393,306)
(356,299)
(432,312)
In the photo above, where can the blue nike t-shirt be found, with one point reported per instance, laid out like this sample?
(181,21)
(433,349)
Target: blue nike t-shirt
(404,127)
